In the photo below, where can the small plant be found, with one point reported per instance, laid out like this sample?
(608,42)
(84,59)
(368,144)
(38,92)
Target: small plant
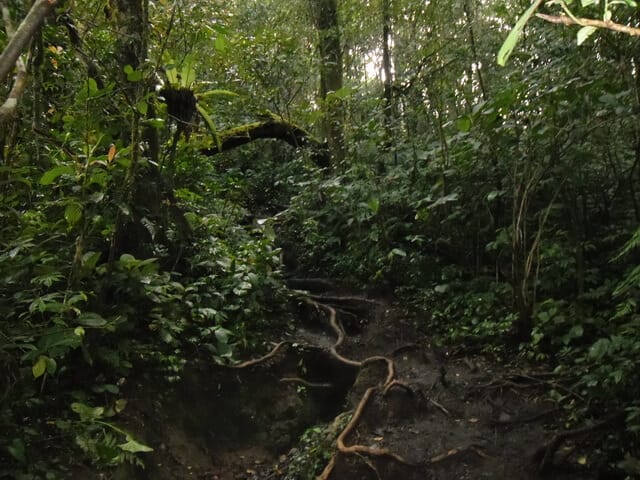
(314,450)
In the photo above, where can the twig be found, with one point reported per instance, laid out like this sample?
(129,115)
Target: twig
(588,22)
(439,406)
(457,451)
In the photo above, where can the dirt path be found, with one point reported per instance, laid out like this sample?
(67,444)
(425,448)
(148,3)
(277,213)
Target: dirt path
(385,403)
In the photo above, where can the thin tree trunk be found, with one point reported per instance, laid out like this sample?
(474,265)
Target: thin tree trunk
(386,65)
(22,37)
(325,14)
(10,105)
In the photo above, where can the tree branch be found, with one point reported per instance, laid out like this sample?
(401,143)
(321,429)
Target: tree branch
(273,127)
(8,108)
(19,42)
(588,22)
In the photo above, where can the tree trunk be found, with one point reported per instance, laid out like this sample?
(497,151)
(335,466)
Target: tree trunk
(325,13)
(389,107)
(20,40)
(131,27)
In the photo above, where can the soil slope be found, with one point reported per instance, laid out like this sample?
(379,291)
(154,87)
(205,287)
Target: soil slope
(386,405)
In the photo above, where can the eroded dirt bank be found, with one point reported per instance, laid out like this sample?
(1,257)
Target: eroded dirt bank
(370,398)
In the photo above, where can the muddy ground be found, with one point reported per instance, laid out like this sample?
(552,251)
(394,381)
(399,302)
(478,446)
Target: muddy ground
(428,413)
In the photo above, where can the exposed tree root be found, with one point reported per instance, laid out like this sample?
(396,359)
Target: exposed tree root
(306,383)
(397,384)
(404,348)
(545,454)
(388,383)
(271,354)
(458,451)
(355,419)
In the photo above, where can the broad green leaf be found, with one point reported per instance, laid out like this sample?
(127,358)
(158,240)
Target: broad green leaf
(73,213)
(142,106)
(210,125)
(221,43)
(463,123)
(17,450)
(599,348)
(127,259)
(224,350)
(91,319)
(86,412)
(132,75)
(52,366)
(171,72)
(188,72)
(374,205)
(50,176)
(576,331)
(446,199)
(58,340)
(493,195)
(342,93)
(222,334)
(584,33)
(39,367)
(90,259)
(133,446)
(120,405)
(586,3)
(513,37)
(398,252)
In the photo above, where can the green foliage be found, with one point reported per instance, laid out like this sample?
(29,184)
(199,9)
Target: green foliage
(314,450)
(487,198)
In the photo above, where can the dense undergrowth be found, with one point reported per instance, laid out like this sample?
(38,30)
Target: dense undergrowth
(79,330)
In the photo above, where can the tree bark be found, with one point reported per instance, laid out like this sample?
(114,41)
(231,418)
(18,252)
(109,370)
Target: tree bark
(325,13)
(22,37)
(389,110)
(272,127)
(10,105)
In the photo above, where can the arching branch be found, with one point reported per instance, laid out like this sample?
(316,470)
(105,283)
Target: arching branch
(272,127)
(589,22)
